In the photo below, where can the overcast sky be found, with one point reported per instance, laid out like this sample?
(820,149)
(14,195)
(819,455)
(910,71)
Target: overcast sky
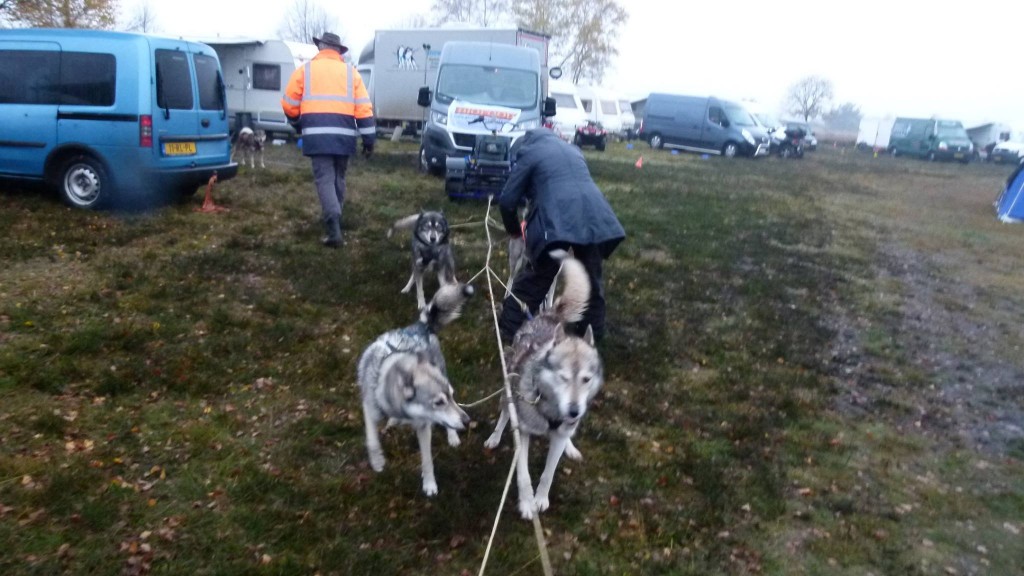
(955,60)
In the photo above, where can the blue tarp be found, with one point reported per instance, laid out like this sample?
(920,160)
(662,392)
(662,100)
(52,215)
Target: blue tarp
(1010,206)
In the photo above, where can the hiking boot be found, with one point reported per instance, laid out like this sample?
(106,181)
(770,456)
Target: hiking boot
(332,224)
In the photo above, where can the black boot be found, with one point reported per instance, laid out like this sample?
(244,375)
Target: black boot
(333,226)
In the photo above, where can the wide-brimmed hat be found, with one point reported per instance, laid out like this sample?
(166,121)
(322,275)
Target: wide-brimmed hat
(331,39)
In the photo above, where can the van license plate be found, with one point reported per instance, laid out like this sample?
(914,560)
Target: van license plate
(179,148)
(958,155)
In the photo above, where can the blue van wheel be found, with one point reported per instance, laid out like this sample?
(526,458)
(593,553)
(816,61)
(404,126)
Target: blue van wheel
(83,182)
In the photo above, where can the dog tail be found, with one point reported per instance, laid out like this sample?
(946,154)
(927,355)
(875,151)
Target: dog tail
(571,305)
(404,223)
(445,306)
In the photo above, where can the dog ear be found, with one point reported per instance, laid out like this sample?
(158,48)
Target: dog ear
(559,333)
(588,337)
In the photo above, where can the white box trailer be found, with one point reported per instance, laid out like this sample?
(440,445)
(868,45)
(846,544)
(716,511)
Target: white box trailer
(986,136)
(397,63)
(875,132)
(256,73)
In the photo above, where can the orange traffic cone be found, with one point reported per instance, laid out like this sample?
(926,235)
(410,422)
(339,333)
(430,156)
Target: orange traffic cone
(208,204)
(640,162)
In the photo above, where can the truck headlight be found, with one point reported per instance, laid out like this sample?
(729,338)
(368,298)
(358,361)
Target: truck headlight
(528,125)
(943,146)
(439,118)
(747,136)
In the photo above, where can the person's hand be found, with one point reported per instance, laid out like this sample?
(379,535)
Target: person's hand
(296,125)
(367,149)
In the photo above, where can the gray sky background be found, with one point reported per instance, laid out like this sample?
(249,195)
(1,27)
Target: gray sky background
(954,60)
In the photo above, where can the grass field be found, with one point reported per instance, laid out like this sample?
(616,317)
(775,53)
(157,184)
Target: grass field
(812,367)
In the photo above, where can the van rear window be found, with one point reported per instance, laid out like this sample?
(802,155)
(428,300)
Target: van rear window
(208,78)
(173,80)
(29,77)
(87,79)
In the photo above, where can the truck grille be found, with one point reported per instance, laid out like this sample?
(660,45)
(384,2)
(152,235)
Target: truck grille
(464,140)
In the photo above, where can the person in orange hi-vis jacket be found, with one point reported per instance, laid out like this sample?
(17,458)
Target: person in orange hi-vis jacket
(327,104)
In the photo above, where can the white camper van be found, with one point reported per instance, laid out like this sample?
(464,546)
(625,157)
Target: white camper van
(570,112)
(256,72)
(602,106)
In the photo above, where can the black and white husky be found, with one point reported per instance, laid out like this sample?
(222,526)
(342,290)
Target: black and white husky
(431,249)
(555,375)
(403,379)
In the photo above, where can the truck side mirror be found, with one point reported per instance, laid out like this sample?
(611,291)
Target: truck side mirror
(424,97)
(549,106)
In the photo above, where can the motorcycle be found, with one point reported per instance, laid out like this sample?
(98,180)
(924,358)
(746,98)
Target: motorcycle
(788,142)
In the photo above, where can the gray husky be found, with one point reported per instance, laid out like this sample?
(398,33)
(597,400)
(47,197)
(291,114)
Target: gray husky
(555,375)
(430,249)
(403,379)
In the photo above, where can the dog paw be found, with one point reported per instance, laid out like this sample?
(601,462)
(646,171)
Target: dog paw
(492,442)
(541,504)
(429,487)
(453,439)
(377,462)
(526,509)
(406,291)
(572,453)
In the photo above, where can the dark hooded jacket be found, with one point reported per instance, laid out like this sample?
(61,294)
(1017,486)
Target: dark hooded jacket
(565,204)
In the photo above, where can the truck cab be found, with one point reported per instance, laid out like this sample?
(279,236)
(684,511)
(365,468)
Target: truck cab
(503,83)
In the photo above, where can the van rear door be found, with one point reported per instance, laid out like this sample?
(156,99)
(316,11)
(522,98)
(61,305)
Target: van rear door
(212,143)
(175,126)
(29,96)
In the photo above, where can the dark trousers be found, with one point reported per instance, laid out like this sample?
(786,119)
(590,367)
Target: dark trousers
(329,176)
(534,281)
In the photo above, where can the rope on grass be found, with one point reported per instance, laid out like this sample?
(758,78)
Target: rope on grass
(513,417)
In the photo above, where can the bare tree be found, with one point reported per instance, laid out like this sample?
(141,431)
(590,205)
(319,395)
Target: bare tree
(305,20)
(809,97)
(480,12)
(63,13)
(583,32)
(143,19)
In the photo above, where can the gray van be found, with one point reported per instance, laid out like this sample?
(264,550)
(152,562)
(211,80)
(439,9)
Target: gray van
(701,124)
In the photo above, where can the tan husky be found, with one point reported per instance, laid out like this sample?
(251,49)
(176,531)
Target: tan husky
(555,375)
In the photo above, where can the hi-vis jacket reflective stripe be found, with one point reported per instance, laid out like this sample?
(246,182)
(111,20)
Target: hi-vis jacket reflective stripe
(331,102)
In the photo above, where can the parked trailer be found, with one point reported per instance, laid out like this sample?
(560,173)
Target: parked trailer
(256,73)
(874,133)
(397,63)
(986,136)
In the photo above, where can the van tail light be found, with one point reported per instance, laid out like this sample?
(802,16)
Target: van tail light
(641,129)
(145,131)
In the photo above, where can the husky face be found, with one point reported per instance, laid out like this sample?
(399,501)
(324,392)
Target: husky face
(429,397)
(432,228)
(570,376)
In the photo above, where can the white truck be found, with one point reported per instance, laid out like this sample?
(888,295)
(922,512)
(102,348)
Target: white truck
(397,63)
(256,73)
(486,97)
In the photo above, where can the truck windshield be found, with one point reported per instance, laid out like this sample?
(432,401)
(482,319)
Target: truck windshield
(738,115)
(952,132)
(487,85)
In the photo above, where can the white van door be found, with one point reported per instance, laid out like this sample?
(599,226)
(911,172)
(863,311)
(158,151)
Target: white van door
(29,97)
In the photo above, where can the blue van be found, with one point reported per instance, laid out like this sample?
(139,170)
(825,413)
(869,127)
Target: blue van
(702,124)
(105,116)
